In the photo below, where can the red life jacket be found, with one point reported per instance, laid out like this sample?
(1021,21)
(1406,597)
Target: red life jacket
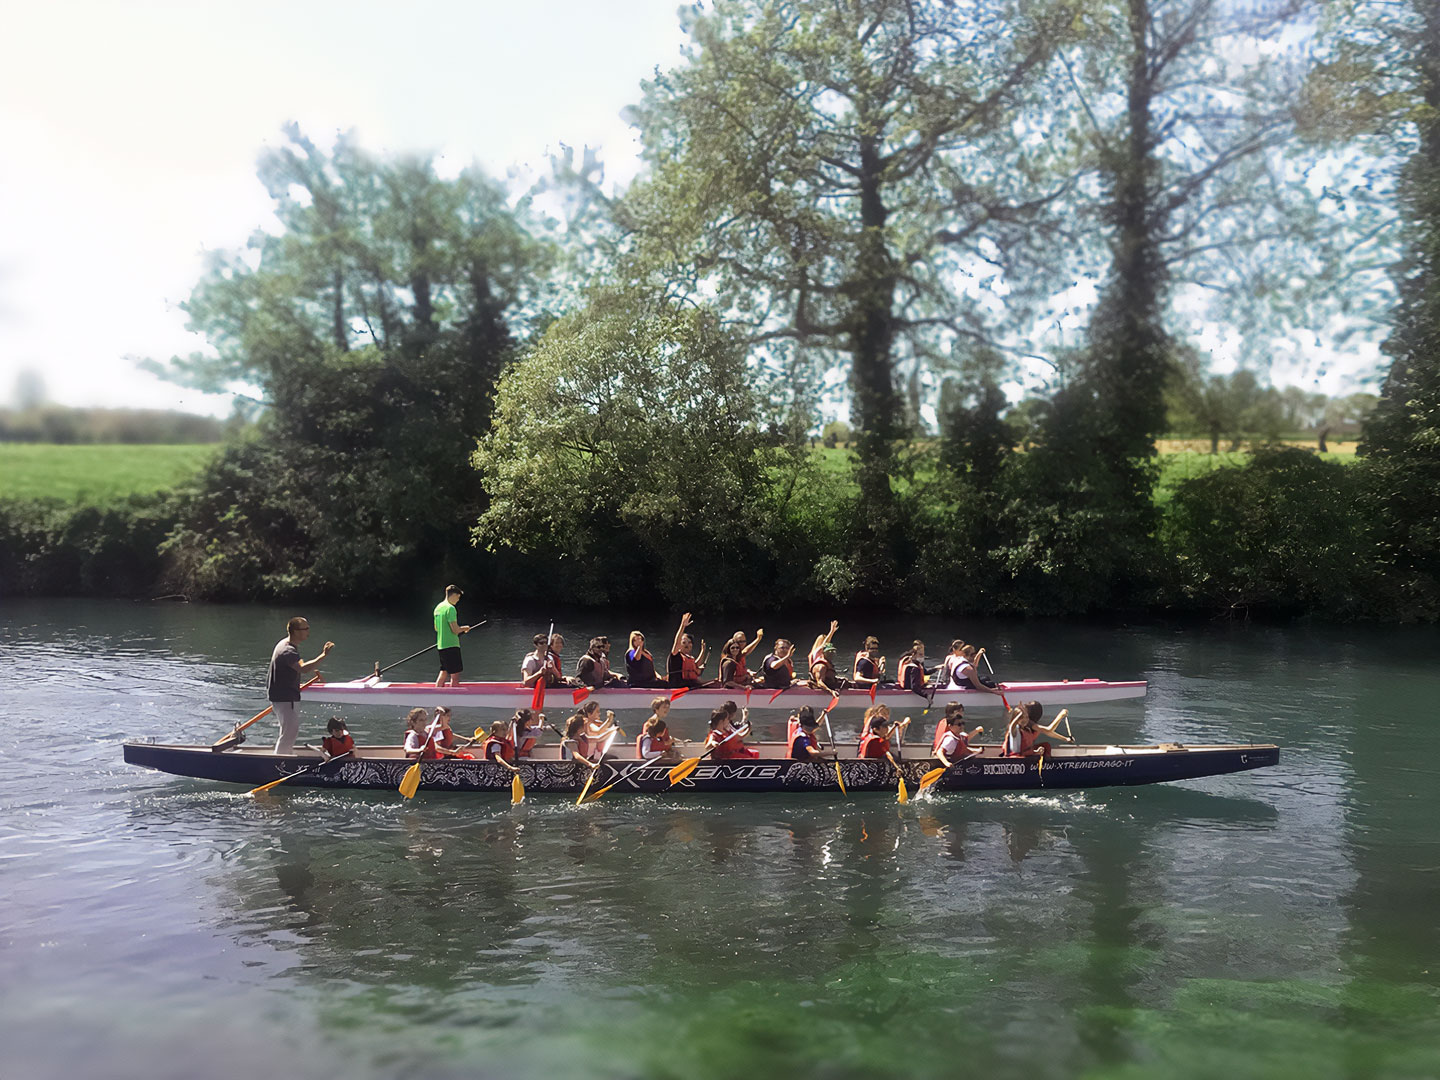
(446,739)
(902,673)
(657,742)
(336,746)
(792,727)
(804,755)
(527,742)
(940,730)
(873,745)
(689,670)
(874,666)
(505,747)
(731,748)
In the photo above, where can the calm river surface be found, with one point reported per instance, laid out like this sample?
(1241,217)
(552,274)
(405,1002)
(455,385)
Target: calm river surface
(1276,923)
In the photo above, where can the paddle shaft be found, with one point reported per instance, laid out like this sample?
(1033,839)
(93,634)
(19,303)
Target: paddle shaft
(265,712)
(298,772)
(428,648)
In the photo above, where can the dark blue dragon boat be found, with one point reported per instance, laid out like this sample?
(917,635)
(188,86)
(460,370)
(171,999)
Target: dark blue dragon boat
(382,767)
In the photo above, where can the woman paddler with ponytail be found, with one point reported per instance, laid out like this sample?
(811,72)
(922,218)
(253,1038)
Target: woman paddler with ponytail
(724,742)
(654,742)
(911,672)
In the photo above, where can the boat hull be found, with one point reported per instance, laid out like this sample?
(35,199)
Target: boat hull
(1079,767)
(507,696)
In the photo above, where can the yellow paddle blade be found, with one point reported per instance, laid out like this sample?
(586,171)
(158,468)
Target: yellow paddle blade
(517,790)
(684,769)
(267,787)
(410,782)
(840,780)
(586,789)
(931,778)
(902,795)
(481,733)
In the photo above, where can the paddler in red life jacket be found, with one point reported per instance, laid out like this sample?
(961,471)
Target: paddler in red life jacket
(804,743)
(685,667)
(557,661)
(796,720)
(875,743)
(734,673)
(881,712)
(498,747)
(420,736)
(869,667)
(952,745)
(953,711)
(587,733)
(726,740)
(911,672)
(337,740)
(1025,727)
(527,727)
(654,742)
(777,671)
(445,736)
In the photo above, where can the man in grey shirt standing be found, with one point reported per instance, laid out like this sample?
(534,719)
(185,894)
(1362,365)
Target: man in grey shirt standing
(284,689)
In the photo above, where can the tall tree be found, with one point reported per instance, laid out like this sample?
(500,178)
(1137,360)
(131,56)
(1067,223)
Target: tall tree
(372,327)
(831,172)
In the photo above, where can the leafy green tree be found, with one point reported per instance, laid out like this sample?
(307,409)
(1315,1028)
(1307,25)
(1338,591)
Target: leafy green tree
(630,458)
(1379,83)
(830,174)
(372,327)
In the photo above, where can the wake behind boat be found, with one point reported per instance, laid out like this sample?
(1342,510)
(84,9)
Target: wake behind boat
(509,696)
(382,768)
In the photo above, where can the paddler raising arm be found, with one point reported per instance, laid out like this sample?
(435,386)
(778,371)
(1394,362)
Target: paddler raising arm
(283,688)
(954,745)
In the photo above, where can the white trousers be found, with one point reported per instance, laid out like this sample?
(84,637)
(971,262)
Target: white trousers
(288,713)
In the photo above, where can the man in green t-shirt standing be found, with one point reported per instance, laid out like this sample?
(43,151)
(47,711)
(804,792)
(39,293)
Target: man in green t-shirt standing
(447,637)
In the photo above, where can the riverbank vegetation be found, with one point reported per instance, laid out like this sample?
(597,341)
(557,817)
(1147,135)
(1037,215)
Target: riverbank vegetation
(998,238)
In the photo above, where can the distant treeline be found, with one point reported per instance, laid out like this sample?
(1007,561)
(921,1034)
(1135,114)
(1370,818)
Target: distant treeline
(62,424)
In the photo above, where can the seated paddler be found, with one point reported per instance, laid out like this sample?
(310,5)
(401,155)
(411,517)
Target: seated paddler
(875,743)
(593,667)
(1024,729)
(420,736)
(654,742)
(499,747)
(726,743)
(869,667)
(685,667)
(777,671)
(953,745)
(337,739)
(640,665)
(539,664)
(805,744)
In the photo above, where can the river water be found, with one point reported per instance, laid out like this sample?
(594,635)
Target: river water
(1276,923)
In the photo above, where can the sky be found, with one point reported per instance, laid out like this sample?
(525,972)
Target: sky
(129,131)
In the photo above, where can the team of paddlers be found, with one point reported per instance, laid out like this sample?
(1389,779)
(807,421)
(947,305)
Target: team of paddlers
(588,736)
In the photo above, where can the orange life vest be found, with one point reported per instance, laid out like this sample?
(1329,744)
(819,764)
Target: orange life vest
(873,746)
(336,746)
(657,742)
(504,746)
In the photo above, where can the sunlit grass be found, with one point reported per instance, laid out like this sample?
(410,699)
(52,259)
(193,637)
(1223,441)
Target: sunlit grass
(96,474)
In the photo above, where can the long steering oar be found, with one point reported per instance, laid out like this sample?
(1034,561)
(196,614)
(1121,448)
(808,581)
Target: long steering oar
(428,648)
(298,772)
(233,739)
(591,778)
(689,765)
(834,745)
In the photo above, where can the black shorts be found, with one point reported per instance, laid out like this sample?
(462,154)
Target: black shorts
(450,660)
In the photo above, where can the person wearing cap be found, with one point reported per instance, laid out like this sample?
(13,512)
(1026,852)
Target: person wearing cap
(337,740)
(447,637)
(822,661)
(804,744)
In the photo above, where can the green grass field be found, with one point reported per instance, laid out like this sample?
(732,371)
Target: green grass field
(96,474)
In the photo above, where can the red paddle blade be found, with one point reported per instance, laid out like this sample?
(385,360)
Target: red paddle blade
(748,692)
(581,694)
(777,693)
(537,699)
(827,708)
(873,687)
(681,692)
